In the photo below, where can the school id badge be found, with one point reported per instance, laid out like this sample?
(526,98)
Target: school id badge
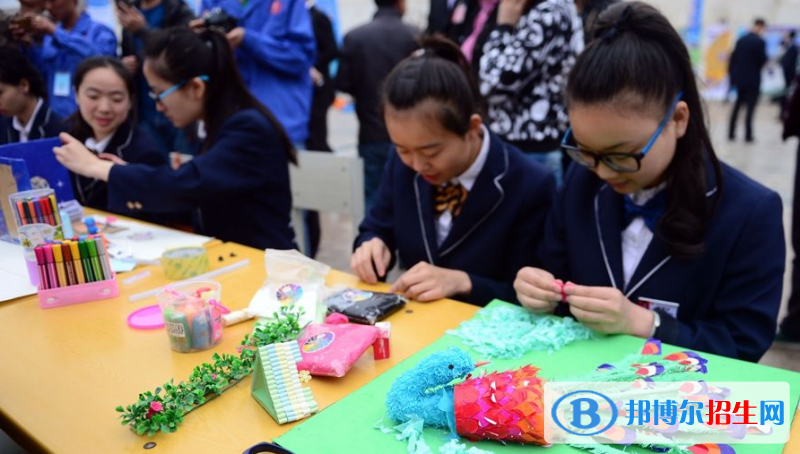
(61,84)
(667,307)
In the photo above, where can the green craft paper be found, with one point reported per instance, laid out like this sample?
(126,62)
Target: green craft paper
(349,425)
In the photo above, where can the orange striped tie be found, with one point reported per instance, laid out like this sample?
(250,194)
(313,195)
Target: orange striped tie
(449,196)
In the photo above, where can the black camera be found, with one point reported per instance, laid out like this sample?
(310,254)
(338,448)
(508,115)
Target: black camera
(217,18)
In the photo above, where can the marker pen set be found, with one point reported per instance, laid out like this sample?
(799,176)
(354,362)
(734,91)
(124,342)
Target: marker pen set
(74,271)
(36,209)
(72,262)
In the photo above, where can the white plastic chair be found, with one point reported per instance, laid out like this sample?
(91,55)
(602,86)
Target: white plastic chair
(326,182)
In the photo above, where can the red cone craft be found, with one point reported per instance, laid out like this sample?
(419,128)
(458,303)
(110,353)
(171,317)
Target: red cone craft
(504,406)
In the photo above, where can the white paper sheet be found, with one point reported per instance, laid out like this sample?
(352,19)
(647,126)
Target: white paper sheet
(140,242)
(14,281)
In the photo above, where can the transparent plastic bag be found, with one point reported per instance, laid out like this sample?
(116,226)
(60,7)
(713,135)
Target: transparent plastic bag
(292,278)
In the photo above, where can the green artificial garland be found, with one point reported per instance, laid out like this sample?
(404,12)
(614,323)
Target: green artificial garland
(164,408)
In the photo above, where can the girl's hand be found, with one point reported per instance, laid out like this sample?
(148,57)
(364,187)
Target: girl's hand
(77,158)
(425,282)
(607,310)
(537,290)
(371,256)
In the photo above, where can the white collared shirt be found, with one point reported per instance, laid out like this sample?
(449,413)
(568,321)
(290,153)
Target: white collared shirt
(99,147)
(637,237)
(467,180)
(25,131)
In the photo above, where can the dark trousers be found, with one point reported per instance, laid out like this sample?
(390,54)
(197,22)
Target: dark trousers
(374,155)
(318,120)
(790,326)
(749,98)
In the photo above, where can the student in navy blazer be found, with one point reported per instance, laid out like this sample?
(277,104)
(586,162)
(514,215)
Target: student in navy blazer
(104,123)
(238,187)
(25,113)
(693,240)
(493,226)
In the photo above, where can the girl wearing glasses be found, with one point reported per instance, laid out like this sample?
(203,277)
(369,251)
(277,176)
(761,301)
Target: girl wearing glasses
(652,234)
(459,207)
(105,124)
(238,187)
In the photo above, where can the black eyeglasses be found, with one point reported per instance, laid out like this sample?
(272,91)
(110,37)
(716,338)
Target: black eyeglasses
(620,162)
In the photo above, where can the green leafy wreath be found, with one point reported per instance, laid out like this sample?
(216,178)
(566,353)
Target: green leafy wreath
(163,409)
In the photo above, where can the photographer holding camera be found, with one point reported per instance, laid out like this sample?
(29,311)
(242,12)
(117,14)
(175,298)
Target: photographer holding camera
(139,18)
(275,50)
(73,37)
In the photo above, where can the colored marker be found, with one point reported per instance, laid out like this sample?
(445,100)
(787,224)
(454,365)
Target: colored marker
(50,265)
(96,269)
(68,265)
(23,220)
(51,219)
(40,261)
(102,256)
(76,262)
(59,264)
(38,211)
(31,211)
(54,207)
(86,261)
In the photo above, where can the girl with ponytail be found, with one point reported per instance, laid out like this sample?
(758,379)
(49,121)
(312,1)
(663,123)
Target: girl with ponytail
(459,207)
(652,234)
(238,187)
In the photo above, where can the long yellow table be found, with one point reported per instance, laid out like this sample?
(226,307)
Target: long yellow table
(64,370)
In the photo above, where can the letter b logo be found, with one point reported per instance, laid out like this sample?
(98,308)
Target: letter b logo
(585,407)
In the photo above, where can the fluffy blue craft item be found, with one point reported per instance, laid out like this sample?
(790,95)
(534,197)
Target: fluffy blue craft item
(418,391)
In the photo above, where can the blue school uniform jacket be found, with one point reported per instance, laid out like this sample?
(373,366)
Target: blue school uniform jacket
(46,124)
(61,52)
(276,56)
(496,234)
(728,297)
(238,190)
(131,144)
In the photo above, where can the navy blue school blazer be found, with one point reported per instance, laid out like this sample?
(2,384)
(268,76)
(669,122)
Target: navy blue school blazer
(131,144)
(238,190)
(500,225)
(728,297)
(46,124)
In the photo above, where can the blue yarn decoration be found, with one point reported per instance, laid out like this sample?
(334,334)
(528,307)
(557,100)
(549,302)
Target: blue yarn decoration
(419,391)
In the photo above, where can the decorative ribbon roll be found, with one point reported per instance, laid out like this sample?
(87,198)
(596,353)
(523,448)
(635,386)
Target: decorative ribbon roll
(184,262)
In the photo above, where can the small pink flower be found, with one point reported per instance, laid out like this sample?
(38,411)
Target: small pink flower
(156,406)
(213,376)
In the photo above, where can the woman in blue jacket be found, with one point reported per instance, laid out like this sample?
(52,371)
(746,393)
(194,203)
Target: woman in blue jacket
(653,236)
(25,113)
(458,206)
(275,50)
(73,37)
(238,187)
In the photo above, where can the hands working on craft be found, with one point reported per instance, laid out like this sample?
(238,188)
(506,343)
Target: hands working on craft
(422,282)
(603,309)
(74,155)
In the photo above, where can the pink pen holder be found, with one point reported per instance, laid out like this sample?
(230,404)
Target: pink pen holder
(76,294)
